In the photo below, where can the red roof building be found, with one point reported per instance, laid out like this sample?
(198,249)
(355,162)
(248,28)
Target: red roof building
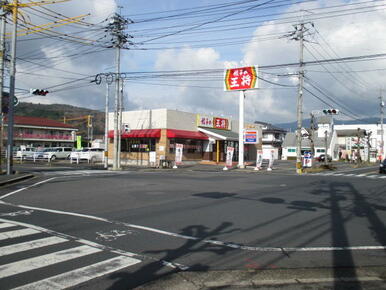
(41,132)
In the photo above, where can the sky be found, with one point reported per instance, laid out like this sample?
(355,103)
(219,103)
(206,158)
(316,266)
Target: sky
(197,40)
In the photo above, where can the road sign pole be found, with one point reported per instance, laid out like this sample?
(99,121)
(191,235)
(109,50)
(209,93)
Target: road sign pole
(241,129)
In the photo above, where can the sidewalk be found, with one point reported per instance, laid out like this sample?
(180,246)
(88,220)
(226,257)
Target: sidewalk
(9,179)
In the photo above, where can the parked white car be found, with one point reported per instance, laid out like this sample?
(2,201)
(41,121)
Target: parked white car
(91,155)
(53,153)
(23,152)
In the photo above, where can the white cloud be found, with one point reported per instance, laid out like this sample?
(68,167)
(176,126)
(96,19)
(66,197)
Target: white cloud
(357,34)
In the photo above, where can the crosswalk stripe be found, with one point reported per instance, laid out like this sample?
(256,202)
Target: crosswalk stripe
(6,225)
(372,176)
(75,277)
(382,176)
(17,233)
(45,260)
(34,244)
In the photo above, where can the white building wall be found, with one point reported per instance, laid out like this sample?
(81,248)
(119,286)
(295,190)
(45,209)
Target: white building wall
(374,128)
(181,120)
(144,119)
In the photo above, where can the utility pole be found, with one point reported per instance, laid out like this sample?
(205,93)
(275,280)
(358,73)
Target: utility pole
(120,109)
(368,145)
(358,157)
(326,147)
(382,105)
(312,135)
(117,26)
(3,14)
(106,159)
(299,112)
(298,35)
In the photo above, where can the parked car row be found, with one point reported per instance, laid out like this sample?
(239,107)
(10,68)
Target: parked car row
(50,154)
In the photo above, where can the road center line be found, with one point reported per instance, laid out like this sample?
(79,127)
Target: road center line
(213,242)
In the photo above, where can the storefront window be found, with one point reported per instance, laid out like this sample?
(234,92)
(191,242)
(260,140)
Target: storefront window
(138,145)
(190,145)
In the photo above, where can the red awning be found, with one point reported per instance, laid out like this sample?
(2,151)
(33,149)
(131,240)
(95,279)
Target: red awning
(144,133)
(172,133)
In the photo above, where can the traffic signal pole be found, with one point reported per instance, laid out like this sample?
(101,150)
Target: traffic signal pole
(382,104)
(2,59)
(12,75)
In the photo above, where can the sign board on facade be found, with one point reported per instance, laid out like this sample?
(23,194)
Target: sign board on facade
(179,148)
(204,121)
(221,123)
(213,122)
(229,158)
(244,78)
(251,137)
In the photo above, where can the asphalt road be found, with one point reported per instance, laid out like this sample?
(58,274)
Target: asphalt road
(93,229)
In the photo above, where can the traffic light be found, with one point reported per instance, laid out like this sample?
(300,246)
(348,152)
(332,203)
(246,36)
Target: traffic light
(39,92)
(126,128)
(331,111)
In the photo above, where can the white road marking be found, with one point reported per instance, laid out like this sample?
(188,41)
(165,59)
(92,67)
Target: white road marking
(96,245)
(75,277)
(17,233)
(27,187)
(215,242)
(45,260)
(6,225)
(84,172)
(34,244)
(372,176)
(382,176)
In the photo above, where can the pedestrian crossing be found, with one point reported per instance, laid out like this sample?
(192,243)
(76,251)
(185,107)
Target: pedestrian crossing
(38,259)
(370,175)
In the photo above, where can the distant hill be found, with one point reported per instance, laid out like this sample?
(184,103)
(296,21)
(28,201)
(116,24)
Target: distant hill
(306,123)
(58,111)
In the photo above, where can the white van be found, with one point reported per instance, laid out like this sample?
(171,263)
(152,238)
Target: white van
(91,155)
(56,153)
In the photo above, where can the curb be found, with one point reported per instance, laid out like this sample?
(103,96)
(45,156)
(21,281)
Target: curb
(16,179)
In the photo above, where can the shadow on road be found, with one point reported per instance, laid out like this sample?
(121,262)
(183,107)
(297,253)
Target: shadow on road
(156,270)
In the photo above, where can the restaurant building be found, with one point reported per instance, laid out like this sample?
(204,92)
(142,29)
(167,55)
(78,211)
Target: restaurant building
(204,138)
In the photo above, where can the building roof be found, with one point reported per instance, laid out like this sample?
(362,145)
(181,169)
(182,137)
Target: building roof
(351,133)
(39,122)
(290,141)
(267,127)
(220,134)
